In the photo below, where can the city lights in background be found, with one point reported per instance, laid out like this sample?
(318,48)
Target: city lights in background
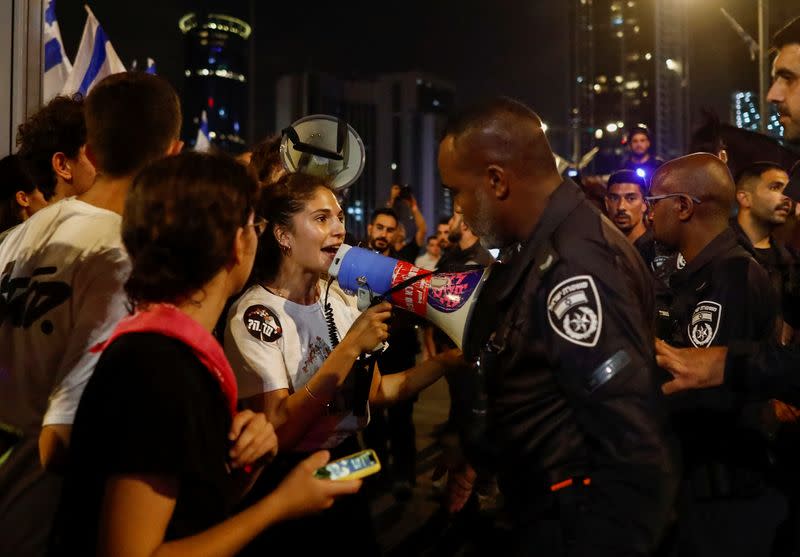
(745,114)
(673,65)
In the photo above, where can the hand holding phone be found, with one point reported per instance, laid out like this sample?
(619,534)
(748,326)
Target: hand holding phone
(351,467)
(302,493)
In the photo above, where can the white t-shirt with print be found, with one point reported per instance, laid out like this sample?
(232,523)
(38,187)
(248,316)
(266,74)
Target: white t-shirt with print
(273,343)
(61,291)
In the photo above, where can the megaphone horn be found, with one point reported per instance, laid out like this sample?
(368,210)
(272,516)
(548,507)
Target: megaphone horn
(324,146)
(444,299)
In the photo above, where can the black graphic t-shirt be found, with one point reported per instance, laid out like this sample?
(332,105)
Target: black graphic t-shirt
(150,408)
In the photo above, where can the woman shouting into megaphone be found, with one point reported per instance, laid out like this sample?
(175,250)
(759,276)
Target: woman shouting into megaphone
(293,346)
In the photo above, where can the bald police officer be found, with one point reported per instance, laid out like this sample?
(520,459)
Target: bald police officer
(721,296)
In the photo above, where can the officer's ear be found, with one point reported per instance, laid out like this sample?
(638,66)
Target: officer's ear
(685,208)
(498,181)
(743,199)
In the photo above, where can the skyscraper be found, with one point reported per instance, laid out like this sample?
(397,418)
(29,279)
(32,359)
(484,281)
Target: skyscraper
(215,77)
(617,48)
(672,77)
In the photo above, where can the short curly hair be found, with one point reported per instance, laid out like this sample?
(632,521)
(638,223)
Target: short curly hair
(180,221)
(59,126)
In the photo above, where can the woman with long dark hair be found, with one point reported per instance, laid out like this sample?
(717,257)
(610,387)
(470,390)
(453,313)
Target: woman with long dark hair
(160,453)
(293,346)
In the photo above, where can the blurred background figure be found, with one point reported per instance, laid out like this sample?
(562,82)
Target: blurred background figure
(19,196)
(430,258)
(639,158)
(409,218)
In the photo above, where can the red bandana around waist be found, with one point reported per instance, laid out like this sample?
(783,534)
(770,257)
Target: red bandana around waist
(168,320)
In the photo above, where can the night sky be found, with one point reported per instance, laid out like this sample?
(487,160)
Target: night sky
(511,47)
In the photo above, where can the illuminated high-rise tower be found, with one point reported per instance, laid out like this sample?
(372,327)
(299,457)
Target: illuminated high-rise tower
(216,77)
(619,53)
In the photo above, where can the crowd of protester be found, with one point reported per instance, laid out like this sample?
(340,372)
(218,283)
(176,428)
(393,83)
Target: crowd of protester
(175,364)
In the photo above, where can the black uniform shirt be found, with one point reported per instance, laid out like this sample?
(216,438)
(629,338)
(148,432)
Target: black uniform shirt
(571,375)
(662,262)
(722,296)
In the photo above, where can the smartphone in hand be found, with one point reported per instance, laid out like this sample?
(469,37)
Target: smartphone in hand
(351,467)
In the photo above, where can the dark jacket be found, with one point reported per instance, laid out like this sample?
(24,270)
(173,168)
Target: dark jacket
(455,258)
(722,296)
(781,266)
(573,388)
(649,166)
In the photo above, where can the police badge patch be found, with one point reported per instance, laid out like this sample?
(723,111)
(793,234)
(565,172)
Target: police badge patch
(262,323)
(574,310)
(705,323)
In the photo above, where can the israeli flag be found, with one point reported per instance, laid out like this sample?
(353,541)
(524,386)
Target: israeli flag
(203,143)
(95,60)
(56,63)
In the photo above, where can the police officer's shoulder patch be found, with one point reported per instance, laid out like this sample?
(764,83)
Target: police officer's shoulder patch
(574,310)
(262,323)
(704,324)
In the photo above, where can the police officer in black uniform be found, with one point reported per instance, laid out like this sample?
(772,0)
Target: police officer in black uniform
(722,295)
(768,368)
(582,449)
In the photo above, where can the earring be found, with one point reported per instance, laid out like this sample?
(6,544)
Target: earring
(286,250)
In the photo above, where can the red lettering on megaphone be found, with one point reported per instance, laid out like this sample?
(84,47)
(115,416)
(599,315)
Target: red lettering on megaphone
(414,296)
